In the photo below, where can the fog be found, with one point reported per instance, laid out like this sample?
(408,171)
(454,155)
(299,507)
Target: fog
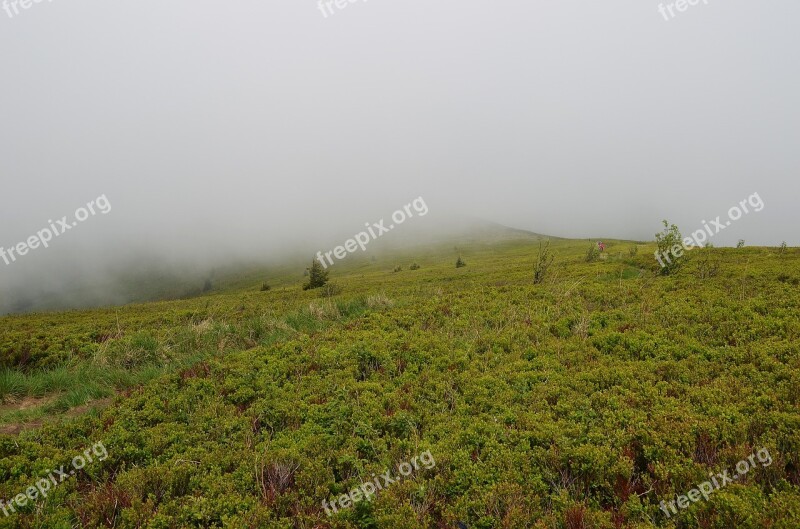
(221,132)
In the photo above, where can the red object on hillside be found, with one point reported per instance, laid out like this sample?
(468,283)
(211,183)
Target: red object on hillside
(601,246)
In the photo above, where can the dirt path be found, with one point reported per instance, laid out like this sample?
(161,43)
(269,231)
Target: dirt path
(29,403)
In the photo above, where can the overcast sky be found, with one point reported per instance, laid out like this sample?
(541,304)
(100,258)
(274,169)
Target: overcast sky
(245,125)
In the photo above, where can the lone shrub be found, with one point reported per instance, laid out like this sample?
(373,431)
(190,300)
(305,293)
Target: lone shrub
(398,268)
(460,263)
(670,249)
(593,254)
(782,249)
(414,266)
(740,244)
(707,266)
(317,276)
(265,287)
(543,262)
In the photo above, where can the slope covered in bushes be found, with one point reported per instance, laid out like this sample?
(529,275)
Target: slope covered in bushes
(580,402)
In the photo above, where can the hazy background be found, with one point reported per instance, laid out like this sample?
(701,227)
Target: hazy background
(244,128)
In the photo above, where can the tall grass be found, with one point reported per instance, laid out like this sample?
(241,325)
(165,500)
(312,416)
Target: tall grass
(127,362)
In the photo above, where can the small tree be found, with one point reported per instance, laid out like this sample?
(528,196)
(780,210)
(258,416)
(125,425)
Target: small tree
(317,276)
(593,254)
(740,244)
(543,262)
(782,249)
(670,249)
(460,263)
(707,266)
(414,266)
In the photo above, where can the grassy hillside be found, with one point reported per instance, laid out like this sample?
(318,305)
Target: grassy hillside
(581,402)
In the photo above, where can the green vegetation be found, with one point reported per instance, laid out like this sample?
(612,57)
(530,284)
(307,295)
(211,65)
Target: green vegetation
(593,254)
(330,290)
(577,402)
(544,261)
(317,276)
(670,247)
(707,265)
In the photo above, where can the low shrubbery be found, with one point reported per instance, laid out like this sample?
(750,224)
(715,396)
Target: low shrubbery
(581,401)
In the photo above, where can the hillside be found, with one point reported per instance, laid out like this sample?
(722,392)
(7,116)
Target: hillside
(581,402)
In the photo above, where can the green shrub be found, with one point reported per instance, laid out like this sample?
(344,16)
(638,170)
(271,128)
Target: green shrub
(670,249)
(317,276)
(707,265)
(593,254)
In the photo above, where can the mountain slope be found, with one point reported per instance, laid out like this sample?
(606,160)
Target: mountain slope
(580,402)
